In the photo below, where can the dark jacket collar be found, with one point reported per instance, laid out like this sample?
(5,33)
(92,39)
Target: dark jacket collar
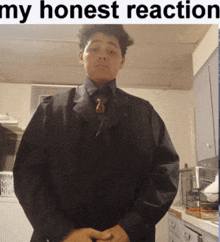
(118,109)
(91,87)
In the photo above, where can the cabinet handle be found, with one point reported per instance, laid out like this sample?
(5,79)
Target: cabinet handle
(173,225)
(187,236)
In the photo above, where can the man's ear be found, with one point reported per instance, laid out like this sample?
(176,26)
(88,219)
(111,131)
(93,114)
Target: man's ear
(122,62)
(81,58)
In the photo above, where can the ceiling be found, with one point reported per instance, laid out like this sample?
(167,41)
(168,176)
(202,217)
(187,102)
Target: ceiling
(48,54)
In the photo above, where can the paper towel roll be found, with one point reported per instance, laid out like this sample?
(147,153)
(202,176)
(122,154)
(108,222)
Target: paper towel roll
(211,191)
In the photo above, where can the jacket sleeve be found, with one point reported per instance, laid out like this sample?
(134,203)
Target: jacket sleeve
(32,186)
(156,189)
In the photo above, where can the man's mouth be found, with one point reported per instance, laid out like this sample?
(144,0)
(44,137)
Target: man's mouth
(102,66)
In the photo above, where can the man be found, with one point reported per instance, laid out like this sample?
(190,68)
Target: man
(95,163)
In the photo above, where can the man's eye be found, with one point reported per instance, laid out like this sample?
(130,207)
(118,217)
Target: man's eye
(112,52)
(94,49)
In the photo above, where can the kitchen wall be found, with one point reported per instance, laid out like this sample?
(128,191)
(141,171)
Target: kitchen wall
(205,48)
(15,101)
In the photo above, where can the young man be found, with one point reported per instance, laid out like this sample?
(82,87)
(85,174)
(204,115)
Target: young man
(95,163)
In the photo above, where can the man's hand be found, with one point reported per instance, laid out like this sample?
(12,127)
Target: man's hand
(86,235)
(118,235)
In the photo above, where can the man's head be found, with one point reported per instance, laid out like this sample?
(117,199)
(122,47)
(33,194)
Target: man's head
(115,30)
(102,51)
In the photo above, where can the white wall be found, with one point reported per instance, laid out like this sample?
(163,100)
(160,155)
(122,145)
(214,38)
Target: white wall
(205,48)
(15,100)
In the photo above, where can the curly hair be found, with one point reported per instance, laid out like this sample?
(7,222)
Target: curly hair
(116,30)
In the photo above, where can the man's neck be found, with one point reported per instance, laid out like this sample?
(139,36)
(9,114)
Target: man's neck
(100,84)
(92,86)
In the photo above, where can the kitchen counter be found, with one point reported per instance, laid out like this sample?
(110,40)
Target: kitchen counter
(8,199)
(206,225)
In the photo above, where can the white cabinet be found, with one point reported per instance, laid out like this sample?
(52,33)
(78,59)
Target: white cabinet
(206,109)
(188,235)
(173,238)
(174,226)
(214,80)
(209,238)
(182,231)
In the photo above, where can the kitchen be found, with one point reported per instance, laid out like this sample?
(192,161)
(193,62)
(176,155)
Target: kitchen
(164,66)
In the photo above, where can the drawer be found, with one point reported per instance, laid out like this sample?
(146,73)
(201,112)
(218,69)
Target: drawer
(207,238)
(174,225)
(173,238)
(188,235)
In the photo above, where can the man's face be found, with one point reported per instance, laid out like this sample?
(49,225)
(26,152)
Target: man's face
(102,58)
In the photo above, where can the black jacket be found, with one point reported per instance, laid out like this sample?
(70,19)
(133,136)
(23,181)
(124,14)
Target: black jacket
(71,173)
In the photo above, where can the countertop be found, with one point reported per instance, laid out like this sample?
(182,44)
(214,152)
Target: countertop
(9,199)
(206,225)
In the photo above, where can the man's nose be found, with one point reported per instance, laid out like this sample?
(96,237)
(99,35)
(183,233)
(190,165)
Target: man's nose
(103,55)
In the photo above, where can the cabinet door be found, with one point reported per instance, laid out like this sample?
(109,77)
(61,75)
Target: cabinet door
(174,225)
(208,238)
(214,82)
(173,238)
(188,235)
(205,143)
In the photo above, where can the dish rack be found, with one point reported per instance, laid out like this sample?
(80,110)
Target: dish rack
(193,181)
(6,184)
(198,206)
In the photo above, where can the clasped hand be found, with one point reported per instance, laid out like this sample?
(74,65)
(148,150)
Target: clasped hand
(114,234)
